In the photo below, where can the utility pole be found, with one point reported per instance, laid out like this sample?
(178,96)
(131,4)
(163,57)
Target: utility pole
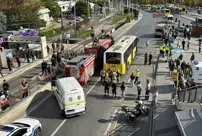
(75,18)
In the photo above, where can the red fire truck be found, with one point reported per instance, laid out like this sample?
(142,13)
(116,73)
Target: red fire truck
(98,48)
(81,67)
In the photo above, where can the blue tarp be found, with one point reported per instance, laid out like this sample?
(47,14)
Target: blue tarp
(177,51)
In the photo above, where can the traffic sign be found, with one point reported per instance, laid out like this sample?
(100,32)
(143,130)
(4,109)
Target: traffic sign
(174,76)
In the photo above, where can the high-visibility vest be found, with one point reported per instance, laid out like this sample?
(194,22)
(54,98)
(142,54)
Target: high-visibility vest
(137,74)
(164,48)
(161,48)
(167,48)
(106,76)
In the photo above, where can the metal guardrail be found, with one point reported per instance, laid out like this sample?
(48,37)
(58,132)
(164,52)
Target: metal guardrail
(17,96)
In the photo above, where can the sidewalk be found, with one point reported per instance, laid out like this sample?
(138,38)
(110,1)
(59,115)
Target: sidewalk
(7,75)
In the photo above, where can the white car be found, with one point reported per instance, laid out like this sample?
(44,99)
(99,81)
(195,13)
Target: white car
(22,127)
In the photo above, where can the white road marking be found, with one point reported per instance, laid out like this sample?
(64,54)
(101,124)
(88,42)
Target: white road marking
(156,116)
(164,110)
(92,86)
(57,129)
(109,125)
(133,132)
(37,105)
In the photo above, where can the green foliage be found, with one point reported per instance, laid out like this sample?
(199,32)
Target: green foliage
(3,21)
(53,7)
(119,18)
(22,15)
(54,32)
(42,23)
(83,34)
(81,8)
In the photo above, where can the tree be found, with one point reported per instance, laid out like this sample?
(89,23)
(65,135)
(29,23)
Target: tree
(53,7)
(23,15)
(81,8)
(3,21)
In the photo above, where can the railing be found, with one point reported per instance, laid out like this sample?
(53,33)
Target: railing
(17,95)
(191,94)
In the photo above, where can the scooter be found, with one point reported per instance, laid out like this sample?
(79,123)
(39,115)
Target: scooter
(139,110)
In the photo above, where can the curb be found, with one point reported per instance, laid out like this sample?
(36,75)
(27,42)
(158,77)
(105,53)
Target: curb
(19,110)
(188,18)
(22,70)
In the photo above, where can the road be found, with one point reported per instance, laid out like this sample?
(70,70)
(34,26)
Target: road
(99,108)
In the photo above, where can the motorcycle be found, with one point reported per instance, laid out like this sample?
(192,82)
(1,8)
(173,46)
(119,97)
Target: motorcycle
(139,110)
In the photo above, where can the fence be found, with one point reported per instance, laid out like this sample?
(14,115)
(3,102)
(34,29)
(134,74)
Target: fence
(191,94)
(17,96)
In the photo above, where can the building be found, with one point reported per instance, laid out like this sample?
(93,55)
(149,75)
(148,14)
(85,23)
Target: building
(66,6)
(43,14)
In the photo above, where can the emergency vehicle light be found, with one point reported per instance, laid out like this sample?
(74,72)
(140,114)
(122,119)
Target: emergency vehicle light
(197,68)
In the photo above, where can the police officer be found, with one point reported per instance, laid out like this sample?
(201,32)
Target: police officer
(167,51)
(161,50)
(118,75)
(110,72)
(106,76)
(145,58)
(137,75)
(113,89)
(114,77)
(102,74)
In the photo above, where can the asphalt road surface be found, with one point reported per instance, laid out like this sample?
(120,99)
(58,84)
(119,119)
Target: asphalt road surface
(99,109)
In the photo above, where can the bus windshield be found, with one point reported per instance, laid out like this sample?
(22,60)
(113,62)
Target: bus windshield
(113,58)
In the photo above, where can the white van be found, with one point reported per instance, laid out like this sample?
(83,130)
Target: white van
(196,68)
(70,96)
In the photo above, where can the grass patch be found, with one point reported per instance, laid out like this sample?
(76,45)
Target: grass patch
(82,34)
(119,18)
(52,26)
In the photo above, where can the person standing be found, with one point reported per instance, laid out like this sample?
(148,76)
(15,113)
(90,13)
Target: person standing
(147,42)
(106,87)
(148,86)
(118,75)
(200,47)
(137,75)
(192,57)
(102,75)
(44,67)
(32,56)
(123,88)
(167,51)
(145,58)
(150,58)
(9,63)
(114,90)
(1,71)
(18,60)
(178,43)
(24,88)
(5,86)
(132,77)
(183,44)
(139,89)
(110,72)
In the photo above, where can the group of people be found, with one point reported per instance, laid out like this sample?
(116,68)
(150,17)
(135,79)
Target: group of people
(110,78)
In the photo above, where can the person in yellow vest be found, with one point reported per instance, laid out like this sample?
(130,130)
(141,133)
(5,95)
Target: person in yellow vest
(106,76)
(110,72)
(114,78)
(161,50)
(102,75)
(164,51)
(137,75)
(118,75)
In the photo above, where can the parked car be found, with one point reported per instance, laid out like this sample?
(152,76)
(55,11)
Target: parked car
(79,19)
(22,127)
(59,20)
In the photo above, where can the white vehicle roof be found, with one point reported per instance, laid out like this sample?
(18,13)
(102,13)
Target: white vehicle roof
(68,84)
(122,44)
(7,129)
(196,63)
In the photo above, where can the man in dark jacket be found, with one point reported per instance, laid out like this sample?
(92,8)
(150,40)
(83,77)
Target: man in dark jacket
(106,87)
(44,67)
(5,86)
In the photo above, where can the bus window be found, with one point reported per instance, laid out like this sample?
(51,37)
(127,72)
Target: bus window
(113,58)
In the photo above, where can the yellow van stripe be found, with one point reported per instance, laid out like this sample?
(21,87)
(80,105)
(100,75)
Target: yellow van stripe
(75,103)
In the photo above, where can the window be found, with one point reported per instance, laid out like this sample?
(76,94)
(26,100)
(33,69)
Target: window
(20,132)
(113,58)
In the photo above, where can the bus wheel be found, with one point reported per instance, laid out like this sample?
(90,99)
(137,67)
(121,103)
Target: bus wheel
(127,66)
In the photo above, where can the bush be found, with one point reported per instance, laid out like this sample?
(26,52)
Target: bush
(119,18)
(83,34)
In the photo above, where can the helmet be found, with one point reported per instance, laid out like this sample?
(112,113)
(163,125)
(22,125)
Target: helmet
(140,102)
(138,70)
